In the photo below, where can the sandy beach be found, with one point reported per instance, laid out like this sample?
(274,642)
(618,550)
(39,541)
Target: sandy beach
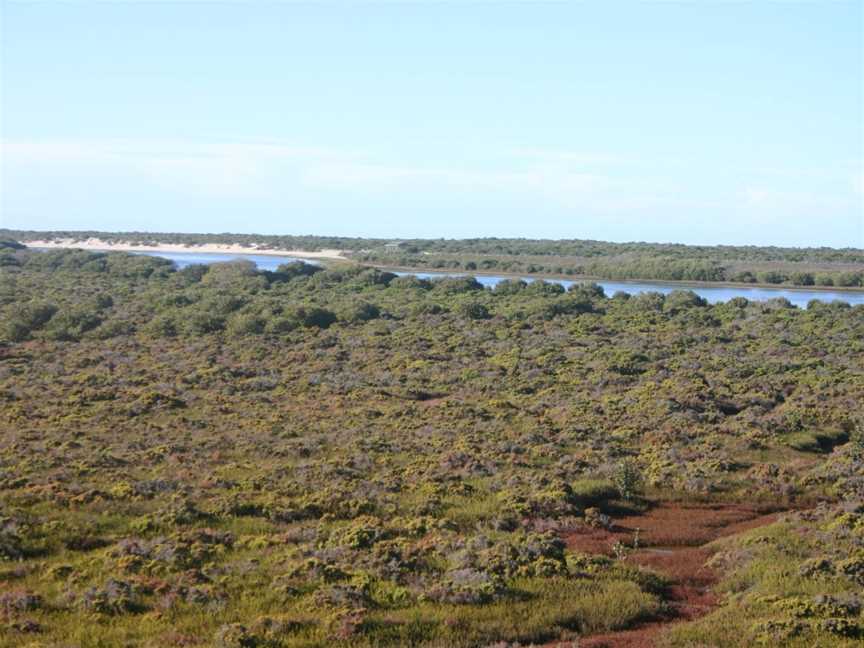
(210,248)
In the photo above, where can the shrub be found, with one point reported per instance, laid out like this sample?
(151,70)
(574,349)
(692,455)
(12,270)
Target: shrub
(315,317)
(627,362)
(20,601)
(245,324)
(597,519)
(203,322)
(744,277)
(455,285)
(590,290)
(802,279)
(11,543)
(71,324)
(509,287)
(679,300)
(162,326)
(230,273)
(466,586)
(771,277)
(360,312)
(647,301)
(778,303)
(374,277)
(628,480)
(281,324)
(411,281)
(474,311)
(541,287)
(133,266)
(848,279)
(194,273)
(296,269)
(427,308)
(234,635)
(23,320)
(115,597)
(10,244)
(113,329)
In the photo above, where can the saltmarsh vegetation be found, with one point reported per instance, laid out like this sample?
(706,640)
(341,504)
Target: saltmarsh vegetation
(797,583)
(316,457)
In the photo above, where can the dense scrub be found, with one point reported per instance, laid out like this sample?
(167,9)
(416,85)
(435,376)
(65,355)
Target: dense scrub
(649,264)
(576,258)
(315,457)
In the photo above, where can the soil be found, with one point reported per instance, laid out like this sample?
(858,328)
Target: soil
(671,541)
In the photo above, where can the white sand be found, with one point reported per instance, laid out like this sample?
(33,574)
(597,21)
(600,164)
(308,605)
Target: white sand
(210,248)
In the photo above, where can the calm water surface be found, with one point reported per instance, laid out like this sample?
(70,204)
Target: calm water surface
(263,261)
(713,294)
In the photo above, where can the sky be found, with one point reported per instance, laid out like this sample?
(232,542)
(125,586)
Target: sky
(693,122)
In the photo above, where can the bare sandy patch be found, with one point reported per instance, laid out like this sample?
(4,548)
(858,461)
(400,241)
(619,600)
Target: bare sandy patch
(95,244)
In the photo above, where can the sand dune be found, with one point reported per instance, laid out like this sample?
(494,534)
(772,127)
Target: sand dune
(211,248)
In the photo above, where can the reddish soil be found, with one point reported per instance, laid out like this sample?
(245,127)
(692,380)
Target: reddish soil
(671,542)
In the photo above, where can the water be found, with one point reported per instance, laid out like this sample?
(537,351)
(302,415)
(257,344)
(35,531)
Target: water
(714,294)
(263,261)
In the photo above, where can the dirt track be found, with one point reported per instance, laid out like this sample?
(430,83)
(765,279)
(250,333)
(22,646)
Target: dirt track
(672,541)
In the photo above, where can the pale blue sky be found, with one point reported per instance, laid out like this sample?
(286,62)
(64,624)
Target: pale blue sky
(695,122)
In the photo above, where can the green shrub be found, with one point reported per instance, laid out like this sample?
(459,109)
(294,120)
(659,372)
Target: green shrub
(22,320)
(744,277)
(474,311)
(772,277)
(162,326)
(509,287)
(297,269)
(203,322)
(9,244)
(802,278)
(360,312)
(280,324)
(679,300)
(245,324)
(315,317)
(628,480)
(72,323)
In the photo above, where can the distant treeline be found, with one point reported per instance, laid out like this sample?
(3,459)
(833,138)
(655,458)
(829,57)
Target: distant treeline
(644,261)
(644,267)
(477,246)
(589,248)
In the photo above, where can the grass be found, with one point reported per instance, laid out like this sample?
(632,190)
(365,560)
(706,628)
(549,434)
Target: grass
(821,441)
(568,606)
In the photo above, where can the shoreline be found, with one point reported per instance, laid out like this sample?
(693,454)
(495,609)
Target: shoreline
(99,245)
(581,278)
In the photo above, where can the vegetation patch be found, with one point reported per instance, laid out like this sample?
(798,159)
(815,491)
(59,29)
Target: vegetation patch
(337,456)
